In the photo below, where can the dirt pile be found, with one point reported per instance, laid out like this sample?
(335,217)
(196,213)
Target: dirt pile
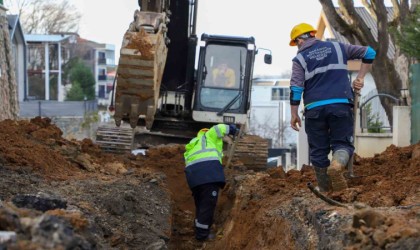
(91,200)
(383,208)
(59,194)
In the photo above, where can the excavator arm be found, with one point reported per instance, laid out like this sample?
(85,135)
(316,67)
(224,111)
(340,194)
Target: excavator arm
(141,65)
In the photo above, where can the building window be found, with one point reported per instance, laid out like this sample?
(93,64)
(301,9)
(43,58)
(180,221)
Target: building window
(101,75)
(280,94)
(101,58)
(101,92)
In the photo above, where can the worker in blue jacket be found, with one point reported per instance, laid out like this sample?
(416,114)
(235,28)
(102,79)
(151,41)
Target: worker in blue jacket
(319,72)
(204,172)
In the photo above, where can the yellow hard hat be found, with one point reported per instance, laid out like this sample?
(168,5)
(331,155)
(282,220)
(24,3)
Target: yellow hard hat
(299,30)
(202,131)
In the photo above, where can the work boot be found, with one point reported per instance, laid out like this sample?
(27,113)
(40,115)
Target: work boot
(336,170)
(324,183)
(209,237)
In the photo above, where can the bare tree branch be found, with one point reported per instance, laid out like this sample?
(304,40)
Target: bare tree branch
(17,6)
(390,74)
(48,17)
(382,26)
(368,6)
(358,26)
(336,21)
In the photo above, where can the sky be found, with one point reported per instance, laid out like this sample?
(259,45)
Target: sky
(268,21)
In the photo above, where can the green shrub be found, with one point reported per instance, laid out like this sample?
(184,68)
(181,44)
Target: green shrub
(374,125)
(82,75)
(75,93)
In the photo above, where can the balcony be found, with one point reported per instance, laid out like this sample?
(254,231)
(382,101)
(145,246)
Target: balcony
(102,78)
(102,61)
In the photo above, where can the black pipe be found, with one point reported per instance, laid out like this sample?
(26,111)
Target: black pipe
(325,198)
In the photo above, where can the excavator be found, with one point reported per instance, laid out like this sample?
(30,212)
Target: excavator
(166,92)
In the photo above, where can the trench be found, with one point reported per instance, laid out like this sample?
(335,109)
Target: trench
(272,209)
(243,217)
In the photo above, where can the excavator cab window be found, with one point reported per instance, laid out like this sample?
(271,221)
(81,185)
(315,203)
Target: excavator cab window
(223,81)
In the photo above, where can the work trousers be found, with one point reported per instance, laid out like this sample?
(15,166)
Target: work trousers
(205,199)
(329,127)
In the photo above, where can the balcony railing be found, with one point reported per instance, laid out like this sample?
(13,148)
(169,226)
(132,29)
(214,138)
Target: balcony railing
(54,108)
(102,77)
(101,60)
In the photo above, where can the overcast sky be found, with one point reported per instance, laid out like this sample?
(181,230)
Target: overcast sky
(269,21)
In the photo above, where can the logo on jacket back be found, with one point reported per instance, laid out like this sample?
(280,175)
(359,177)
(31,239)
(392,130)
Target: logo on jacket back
(319,54)
(214,193)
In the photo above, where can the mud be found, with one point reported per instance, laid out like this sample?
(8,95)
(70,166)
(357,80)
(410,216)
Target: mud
(104,201)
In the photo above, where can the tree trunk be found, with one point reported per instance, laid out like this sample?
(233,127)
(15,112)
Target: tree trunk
(9,104)
(390,74)
(387,82)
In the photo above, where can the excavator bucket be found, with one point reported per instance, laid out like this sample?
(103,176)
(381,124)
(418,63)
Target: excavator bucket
(140,69)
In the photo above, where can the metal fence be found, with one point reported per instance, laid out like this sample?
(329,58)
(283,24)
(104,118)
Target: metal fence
(55,108)
(373,118)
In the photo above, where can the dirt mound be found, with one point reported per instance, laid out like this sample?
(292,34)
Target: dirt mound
(37,145)
(103,201)
(391,178)
(276,208)
(70,189)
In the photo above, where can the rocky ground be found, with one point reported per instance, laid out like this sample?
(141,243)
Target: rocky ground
(61,194)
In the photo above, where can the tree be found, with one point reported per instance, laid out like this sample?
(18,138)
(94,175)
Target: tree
(16,5)
(47,16)
(75,93)
(390,74)
(408,38)
(82,76)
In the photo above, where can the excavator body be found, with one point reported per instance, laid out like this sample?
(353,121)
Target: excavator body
(165,91)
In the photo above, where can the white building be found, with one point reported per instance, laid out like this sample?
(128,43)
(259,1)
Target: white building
(46,56)
(19,53)
(104,68)
(270,112)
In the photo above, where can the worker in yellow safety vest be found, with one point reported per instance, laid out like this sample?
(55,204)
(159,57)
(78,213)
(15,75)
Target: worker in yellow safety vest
(204,172)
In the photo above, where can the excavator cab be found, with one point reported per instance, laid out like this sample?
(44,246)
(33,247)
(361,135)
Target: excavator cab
(163,92)
(224,74)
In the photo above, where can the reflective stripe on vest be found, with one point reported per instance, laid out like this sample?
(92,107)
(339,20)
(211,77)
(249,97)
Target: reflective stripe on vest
(339,65)
(203,150)
(219,133)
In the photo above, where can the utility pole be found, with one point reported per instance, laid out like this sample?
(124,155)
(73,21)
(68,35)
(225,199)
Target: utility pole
(281,125)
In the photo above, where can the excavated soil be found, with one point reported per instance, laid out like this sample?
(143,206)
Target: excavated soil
(61,194)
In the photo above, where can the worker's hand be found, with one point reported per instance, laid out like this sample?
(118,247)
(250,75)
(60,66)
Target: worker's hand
(227,139)
(295,122)
(358,84)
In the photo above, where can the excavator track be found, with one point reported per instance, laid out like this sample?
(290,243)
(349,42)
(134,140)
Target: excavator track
(117,140)
(252,152)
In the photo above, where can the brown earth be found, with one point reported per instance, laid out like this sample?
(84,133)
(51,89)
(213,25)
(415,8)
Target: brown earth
(60,194)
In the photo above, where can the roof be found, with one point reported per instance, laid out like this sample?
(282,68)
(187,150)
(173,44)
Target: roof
(270,82)
(370,22)
(15,29)
(46,38)
(96,45)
